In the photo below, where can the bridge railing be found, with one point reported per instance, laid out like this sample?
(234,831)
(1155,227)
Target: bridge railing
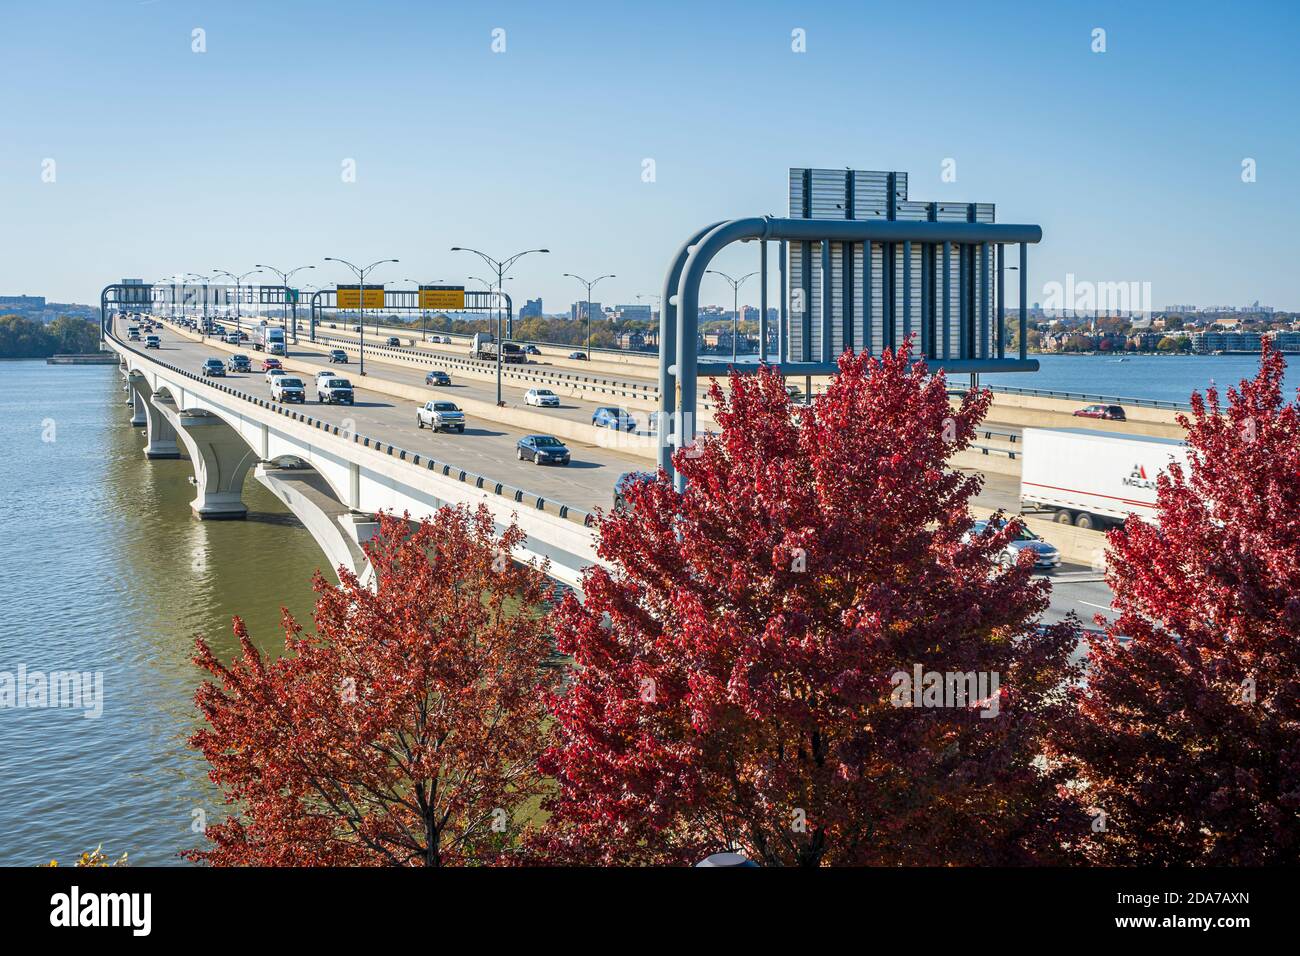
(1082,397)
(426,462)
(522,373)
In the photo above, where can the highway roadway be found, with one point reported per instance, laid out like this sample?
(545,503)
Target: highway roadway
(488,448)
(485,448)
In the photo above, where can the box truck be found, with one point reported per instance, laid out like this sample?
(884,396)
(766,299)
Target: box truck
(1094,479)
(268,339)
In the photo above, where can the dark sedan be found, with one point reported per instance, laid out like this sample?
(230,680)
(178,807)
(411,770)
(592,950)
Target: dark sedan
(542,450)
(437,377)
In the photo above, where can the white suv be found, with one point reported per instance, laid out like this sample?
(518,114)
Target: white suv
(286,388)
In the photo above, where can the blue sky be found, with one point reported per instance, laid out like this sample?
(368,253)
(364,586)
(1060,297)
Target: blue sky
(168,160)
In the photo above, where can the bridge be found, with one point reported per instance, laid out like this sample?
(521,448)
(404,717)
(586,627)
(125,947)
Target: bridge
(336,467)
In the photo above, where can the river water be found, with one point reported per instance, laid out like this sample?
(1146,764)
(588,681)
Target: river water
(106,572)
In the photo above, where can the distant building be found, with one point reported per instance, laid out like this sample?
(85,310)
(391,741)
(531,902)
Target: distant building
(1205,342)
(1285,341)
(532,309)
(26,303)
(638,313)
(578,311)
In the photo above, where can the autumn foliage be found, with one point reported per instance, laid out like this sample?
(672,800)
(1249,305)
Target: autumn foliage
(405,731)
(735,671)
(1189,734)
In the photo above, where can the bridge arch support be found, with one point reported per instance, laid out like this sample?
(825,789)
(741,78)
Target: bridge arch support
(220,456)
(160,432)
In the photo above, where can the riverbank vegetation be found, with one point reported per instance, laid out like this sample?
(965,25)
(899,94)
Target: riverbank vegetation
(22,338)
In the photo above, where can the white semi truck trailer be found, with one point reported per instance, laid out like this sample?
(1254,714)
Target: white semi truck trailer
(269,339)
(1094,479)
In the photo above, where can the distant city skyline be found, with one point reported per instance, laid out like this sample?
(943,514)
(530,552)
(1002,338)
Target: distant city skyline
(305,130)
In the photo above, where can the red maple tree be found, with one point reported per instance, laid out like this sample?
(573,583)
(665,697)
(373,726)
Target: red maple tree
(1189,729)
(736,674)
(407,730)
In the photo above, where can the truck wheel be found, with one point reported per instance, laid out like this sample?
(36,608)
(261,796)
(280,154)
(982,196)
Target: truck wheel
(1084,521)
(1064,517)
(419,422)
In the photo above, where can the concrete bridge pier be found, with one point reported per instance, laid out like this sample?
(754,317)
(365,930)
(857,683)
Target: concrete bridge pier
(221,459)
(159,431)
(137,401)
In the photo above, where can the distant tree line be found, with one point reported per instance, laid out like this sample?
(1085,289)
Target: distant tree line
(22,338)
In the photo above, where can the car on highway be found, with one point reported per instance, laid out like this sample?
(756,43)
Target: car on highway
(270,363)
(437,377)
(338,357)
(1112,413)
(287,388)
(617,418)
(542,398)
(273,373)
(393,341)
(212,368)
(440,415)
(532,350)
(578,356)
(542,450)
(239,363)
(133,337)
(624,481)
(232,338)
(1046,556)
(440,339)
(332,390)
(152,342)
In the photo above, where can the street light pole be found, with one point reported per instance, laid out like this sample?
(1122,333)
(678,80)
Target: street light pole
(590,285)
(284,282)
(361,274)
(203,329)
(735,307)
(500,267)
(238,279)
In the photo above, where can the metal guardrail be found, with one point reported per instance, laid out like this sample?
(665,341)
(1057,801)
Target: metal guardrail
(520,372)
(467,336)
(518,495)
(1081,397)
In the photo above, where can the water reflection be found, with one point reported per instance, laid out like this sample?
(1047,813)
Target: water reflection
(109,572)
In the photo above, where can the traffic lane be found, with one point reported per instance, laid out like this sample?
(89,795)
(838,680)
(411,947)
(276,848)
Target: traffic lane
(999,491)
(640,375)
(485,448)
(1082,592)
(572,409)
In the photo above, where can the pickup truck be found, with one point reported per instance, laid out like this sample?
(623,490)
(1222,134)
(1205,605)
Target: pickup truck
(440,415)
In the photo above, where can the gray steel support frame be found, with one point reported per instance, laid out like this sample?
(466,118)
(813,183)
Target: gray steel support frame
(679,366)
